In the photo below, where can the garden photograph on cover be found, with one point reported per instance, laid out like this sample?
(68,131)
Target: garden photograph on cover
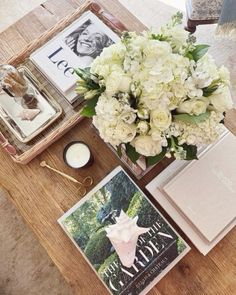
(122,235)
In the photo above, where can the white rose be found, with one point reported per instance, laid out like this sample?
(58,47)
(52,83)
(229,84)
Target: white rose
(194,107)
(128,116)
(146,146)
(155,134)
(125,132)
(160,119)
(117,81)
(142,127)
(222,101)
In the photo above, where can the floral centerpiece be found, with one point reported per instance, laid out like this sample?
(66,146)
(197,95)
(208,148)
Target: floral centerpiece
(157,94)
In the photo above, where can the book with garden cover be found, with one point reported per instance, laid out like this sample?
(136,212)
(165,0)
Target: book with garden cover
(124,238)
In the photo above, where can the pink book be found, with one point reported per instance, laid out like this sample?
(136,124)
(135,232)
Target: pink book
(205,190)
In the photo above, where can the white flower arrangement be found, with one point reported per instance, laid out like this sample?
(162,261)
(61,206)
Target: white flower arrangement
(159,94)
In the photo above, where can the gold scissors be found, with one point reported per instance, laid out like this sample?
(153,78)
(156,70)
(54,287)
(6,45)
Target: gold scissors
(86,182)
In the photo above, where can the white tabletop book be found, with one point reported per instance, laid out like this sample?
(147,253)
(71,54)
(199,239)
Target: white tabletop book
(75,47)
(124,238)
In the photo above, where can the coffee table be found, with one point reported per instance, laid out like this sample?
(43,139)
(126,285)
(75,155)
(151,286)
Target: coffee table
(42,197)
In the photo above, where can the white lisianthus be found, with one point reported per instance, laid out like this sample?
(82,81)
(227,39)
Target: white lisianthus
(142,127)
(146,146)
(128,114)
(222,100)
(194,107)
(143,113)
(160,119)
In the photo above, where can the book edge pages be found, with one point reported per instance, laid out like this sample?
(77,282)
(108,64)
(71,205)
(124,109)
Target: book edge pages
(96,188)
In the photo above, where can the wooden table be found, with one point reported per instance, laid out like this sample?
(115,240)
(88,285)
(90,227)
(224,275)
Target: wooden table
(42,197)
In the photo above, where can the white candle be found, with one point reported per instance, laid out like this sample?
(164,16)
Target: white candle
(77,154)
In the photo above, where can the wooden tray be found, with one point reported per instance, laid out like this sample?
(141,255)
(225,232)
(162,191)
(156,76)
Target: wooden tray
(23,153)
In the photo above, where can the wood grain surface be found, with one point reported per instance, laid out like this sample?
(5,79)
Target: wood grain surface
(42,197)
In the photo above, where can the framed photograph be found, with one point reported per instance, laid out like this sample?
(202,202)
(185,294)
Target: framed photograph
(75,47)
(30,114)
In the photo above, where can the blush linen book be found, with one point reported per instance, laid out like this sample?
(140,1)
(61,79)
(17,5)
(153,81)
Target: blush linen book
(123,237)
(201,195)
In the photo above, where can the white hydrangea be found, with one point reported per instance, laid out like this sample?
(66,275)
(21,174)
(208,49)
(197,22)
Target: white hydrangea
(205,132)
(147,79)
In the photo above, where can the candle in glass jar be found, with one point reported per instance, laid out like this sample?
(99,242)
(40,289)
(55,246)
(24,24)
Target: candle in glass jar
(77,155)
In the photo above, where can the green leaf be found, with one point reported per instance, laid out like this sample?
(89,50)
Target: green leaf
(191,152)
(159,37)
(207,91)
(191,118)
(84,74)
(119,153)
(131,153)
(89,109)
(189,55)
(199,51)
(155,159)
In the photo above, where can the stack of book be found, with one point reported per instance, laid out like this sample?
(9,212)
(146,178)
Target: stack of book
(200,196)
(75,47)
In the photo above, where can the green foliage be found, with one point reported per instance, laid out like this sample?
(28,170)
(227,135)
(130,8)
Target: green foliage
(159,37)
(105,268)
(135,204)
(191,151)
(191,118)
(131,153)
(98,247)
(117,274)
(121,190)
(112,258)
(89,109)
(155,159)
(180,246)
(88,79)
(177,18)
(207,91)
(83,222)
(119,153)
(198,52)
(145,211)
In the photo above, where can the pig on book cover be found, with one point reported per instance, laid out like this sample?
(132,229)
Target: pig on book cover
(124,238)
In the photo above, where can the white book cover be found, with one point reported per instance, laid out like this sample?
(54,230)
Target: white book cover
(75,47)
